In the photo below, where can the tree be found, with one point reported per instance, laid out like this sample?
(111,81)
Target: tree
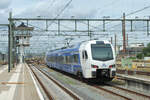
(145,52)
(139,56)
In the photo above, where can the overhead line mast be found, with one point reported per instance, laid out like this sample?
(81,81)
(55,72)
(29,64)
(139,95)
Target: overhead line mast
(124,33)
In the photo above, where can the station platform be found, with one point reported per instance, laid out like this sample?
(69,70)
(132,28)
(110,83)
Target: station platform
(18,84)
(139,78)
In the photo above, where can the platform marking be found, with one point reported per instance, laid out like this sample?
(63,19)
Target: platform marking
(4,83)
(36,86)
(9,95)
(23,84)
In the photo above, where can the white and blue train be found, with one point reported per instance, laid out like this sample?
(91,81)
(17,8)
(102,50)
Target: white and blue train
(92,59)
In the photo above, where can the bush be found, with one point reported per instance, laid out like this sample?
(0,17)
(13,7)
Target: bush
(145,52)
(139,56)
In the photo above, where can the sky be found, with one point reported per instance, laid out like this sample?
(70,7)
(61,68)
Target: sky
(78,9)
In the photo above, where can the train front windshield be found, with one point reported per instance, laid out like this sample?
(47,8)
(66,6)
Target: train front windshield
(101,52)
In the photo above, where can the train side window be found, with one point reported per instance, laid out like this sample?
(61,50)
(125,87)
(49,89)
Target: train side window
(55,59)
(67,59)
(61,59)
(86,56)
(70,59)
(58,59)
(64,60)
(75,58)
(50,59)
(82,54)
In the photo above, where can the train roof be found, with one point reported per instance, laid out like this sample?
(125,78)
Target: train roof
(73,47)
(66,49)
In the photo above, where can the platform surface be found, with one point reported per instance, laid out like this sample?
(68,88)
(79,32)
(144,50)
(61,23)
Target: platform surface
(18,84)
(140,78)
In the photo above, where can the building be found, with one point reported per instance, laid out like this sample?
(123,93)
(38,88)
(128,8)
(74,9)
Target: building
(137,45)
(133,50)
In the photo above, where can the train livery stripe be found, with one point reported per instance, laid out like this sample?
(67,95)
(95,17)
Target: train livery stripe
(66,67)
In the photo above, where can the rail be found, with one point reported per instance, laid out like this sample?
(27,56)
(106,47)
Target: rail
(75,97)
(129,91)
(111,92)
(42,85)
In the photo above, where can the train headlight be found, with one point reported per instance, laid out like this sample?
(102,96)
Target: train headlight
(94,66)
(112,66)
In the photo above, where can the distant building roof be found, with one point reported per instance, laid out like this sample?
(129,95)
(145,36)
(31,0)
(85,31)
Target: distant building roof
(135,49)
(132,50)
(22,25)
(137,45)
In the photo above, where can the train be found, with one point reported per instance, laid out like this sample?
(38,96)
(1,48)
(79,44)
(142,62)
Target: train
(93,59)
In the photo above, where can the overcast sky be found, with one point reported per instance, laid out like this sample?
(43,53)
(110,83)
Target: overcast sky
(77,8)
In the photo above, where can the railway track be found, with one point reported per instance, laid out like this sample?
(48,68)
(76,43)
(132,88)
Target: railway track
(111,92)
(121,89)
(127,95)
(117,93)
(48,94)
(42,85)
(129,91)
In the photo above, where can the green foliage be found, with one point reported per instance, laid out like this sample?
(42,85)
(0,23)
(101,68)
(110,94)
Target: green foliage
(145,53)
(132,58)
(139,56)
(148,45)
(146,50)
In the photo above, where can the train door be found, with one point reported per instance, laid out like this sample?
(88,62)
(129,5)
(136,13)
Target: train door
(85,62)
(85,58)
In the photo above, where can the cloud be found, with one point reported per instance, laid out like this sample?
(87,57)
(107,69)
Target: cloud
(4,10)
(42,8)
(82,14)
(4,4)
(51,10)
